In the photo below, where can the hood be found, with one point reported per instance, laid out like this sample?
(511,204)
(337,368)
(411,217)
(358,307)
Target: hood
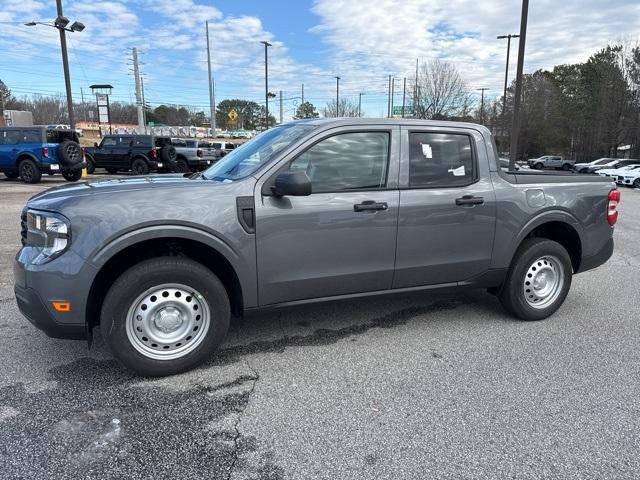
(53,198)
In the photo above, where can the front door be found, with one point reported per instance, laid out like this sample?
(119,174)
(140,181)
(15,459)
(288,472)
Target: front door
(103,154)
(447,208)
(341,239)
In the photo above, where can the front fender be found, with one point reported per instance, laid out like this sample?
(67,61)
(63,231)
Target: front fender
(244,272)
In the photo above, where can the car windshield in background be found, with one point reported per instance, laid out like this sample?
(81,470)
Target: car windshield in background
(242,162)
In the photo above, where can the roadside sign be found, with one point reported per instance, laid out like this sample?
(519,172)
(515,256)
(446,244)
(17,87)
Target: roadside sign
(232,115)
(408,110)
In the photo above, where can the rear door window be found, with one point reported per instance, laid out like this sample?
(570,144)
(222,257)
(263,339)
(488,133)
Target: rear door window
(31,136)
(440,160)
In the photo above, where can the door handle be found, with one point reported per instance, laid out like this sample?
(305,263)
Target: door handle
(368,205)
(469,200)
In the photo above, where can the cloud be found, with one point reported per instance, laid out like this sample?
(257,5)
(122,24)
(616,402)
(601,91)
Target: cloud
(372,39)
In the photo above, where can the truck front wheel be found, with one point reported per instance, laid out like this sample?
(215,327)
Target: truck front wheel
(164,316)
(538,280)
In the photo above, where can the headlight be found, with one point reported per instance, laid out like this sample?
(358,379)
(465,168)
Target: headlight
(48,233)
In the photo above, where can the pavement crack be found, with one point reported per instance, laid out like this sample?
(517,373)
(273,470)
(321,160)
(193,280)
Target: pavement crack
(236,426)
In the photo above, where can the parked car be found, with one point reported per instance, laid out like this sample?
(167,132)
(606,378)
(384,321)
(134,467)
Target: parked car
(307,211)
(504,164)
(550,161)
(600,162)
(614,172)
(629,179)
(138,153)
(223,147)
(28,152)
(616,163)
(190,157)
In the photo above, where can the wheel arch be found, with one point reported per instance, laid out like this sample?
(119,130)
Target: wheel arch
(560,227)
(24,156)
(112,263)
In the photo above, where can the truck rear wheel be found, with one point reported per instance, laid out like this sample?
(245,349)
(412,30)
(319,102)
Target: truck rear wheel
(165,316)
(29,171)
(538,280)
(139,167)
(182,166)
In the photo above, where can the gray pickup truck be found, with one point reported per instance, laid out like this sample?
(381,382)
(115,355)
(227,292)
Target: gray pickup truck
(308,211)
(551,161)
(190,156)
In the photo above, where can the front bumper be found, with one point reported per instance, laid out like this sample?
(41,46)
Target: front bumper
(65,278)
(34,309)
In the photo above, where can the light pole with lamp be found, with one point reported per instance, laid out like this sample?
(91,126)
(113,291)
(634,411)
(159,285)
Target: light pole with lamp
(61,23)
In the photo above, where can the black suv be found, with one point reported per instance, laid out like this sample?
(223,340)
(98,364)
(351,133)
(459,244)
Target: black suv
(138,153)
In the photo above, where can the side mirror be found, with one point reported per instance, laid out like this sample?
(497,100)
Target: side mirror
(95,144)
(295,184)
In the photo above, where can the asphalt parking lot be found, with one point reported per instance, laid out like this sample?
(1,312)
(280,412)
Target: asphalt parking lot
(416,386)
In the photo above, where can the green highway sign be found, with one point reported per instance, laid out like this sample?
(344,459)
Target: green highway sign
(408,110)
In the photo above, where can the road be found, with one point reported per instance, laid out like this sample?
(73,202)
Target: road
(415,386)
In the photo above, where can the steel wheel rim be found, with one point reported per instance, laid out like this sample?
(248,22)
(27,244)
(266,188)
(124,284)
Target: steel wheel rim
(168,321)
(543,282)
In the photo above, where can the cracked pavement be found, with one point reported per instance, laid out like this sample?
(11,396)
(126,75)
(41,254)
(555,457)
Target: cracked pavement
(405,387)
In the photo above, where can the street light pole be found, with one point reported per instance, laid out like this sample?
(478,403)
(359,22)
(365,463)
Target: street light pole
(515,126)
(360,104)
(506,78)
(337,96)
(266,84)
(65,66)
(212,98)
(483,89)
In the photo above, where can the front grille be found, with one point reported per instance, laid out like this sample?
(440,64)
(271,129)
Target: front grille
(621,178)
(23,227)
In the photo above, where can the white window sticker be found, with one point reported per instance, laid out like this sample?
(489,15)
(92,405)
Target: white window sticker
(457,172)
(426,150)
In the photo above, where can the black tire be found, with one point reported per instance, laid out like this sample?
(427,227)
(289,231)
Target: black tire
(71,175)
(538,166)
(145,276)
(636,183)
(70,153)
(583,170)
(29,171)
(140,167)
(566,167)
(182,166)
(12,174)
(111,170)
(168,154)
(513,293)
(91,164)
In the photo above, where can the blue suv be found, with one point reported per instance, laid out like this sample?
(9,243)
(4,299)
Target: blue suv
(28,152)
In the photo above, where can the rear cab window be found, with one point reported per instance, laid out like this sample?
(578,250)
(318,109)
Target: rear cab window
(441,160)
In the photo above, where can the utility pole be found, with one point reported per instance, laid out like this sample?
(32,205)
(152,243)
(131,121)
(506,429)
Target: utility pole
(136,74)
(212,95)
(302,93)
(482,90)
(415,91)
(515,126)
(281,115)
(506,79)
(84,107)
(389,99)
(404,94)
(337,96)
(144,105)
(65,67)
(393,92)
(360,104)
(266,84)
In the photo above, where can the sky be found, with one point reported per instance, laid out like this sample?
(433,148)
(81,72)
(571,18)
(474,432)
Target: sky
(361,41)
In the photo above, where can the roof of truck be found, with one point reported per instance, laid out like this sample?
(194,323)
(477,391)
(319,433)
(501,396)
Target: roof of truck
(344,121)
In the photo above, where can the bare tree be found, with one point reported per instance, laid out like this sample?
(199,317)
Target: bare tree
(442,93)
(347,108)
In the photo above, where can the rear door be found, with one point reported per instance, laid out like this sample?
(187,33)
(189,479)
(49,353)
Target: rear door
(447,207)
(341,239)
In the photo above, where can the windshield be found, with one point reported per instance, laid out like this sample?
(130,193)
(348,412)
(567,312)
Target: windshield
(602,161)
(245,160)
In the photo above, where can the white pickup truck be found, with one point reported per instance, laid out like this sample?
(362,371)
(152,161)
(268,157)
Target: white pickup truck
(551,161)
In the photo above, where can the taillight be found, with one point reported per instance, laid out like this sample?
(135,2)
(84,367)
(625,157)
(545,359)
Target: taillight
(199,153)
(612,207)
(45,152)
(154,152)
